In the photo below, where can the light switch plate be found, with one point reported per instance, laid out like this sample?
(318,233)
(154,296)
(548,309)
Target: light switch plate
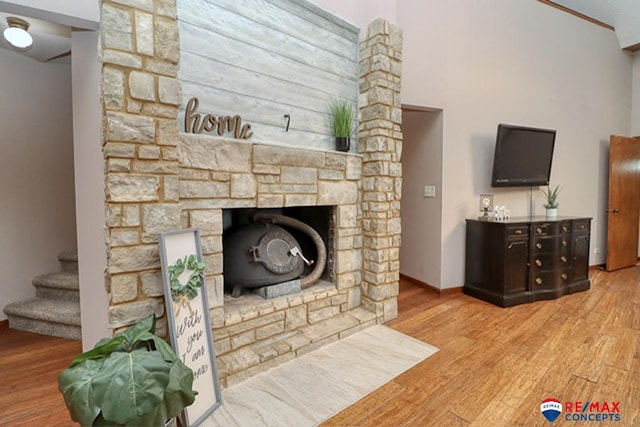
(430,191)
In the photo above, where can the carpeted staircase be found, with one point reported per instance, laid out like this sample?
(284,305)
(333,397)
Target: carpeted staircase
(56,308)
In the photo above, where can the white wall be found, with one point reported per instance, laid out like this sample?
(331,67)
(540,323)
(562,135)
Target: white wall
(74,13)
(491,62)
(37,218)
(82,142)
(420,256)
(89,165)
(361,12)
(635,109)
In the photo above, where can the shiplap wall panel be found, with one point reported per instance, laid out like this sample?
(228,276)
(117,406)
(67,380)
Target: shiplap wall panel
(269,112)
(262,59)
(305,26)
(272,64)
(227,77)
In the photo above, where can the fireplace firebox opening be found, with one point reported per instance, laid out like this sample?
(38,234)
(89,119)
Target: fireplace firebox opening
(277,251)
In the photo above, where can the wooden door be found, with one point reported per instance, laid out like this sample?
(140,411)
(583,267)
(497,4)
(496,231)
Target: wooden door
(624,202)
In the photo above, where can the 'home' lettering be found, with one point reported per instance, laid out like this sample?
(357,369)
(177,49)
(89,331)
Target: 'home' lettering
(195,123)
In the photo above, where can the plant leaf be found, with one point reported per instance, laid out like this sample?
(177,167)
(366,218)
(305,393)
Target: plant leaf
(148,324)
(75,386)
(164,348)
(156,418)
(103,348)
(342,115)
(130,385)
(179,393)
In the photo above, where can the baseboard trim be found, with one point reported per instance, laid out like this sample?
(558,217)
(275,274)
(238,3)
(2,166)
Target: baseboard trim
(448,291)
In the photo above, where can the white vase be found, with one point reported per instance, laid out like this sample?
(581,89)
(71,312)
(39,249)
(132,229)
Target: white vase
(552,212)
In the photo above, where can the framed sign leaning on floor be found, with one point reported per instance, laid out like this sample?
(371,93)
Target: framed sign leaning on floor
(188,318)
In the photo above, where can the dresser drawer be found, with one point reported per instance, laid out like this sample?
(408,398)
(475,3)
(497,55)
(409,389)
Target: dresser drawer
(546,244)
(581,226)
(541,262)
(544,229)
(517,231)
(564,227)
(550,279)
(551,228)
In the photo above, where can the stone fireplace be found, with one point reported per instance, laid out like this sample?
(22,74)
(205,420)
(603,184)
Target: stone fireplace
(252,333)
(159,178)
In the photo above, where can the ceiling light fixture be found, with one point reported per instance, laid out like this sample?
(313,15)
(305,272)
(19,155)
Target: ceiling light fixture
(17,34)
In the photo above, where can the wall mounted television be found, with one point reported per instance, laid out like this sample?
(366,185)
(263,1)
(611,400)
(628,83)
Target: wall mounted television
(522,156)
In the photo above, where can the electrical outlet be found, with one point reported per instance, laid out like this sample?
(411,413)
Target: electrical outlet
(429,191)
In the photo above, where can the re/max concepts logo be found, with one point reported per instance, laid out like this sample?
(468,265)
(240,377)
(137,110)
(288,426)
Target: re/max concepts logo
(580,411)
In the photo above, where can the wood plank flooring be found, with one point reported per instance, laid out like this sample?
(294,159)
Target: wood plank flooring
(494,367)
(29,368)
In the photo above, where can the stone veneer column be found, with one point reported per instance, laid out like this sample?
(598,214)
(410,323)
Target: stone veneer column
(141,95)
(381,146)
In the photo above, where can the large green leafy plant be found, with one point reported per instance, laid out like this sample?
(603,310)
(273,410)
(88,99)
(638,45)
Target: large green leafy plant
(131,379)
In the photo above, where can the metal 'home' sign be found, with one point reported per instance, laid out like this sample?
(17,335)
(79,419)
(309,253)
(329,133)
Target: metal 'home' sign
(194,122)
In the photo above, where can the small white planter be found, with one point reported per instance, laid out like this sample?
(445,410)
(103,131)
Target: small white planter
(552,213)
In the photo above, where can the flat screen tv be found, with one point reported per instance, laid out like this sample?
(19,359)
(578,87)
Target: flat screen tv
(522,156)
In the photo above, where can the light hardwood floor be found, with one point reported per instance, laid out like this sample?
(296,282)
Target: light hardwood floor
(494,367)
(29,368)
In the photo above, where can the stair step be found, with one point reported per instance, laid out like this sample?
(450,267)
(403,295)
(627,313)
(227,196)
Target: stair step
(45,316)
(57,286)
(58,280)
(69,260)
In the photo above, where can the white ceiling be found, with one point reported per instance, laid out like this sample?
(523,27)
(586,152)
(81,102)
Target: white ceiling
(623,15)
(52,41)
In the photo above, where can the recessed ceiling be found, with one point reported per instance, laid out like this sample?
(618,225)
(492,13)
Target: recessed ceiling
(50,41)
(623,15)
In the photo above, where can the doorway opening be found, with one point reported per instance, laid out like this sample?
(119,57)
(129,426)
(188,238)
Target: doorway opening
(421,205)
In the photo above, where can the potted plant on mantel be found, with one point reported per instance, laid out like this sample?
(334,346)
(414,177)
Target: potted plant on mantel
(131,379)
(342,117)
(552,201)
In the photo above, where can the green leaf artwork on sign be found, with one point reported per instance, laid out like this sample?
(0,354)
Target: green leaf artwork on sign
(183,293)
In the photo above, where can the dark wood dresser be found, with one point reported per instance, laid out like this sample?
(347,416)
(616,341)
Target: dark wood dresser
(520,260)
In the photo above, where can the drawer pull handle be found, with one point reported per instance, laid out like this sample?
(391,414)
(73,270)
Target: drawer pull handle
(538,281)
(564,276)
(518,231)
(539,230)
(539,245)
(581,227)
(539,263)
(563,258)
(564,243)
(564,229)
